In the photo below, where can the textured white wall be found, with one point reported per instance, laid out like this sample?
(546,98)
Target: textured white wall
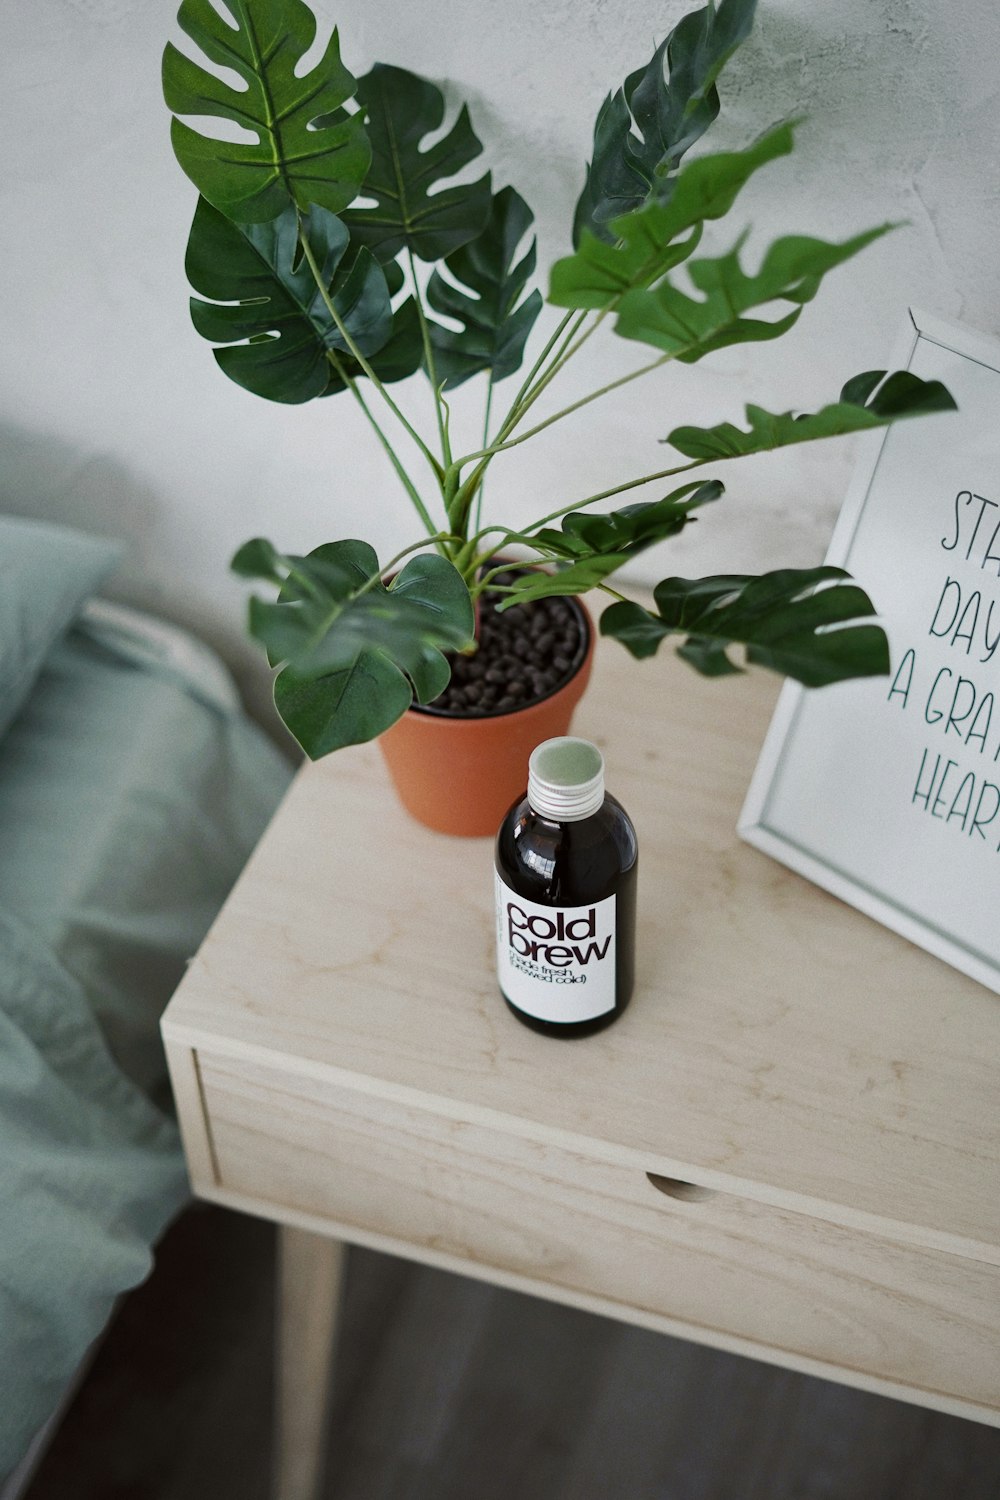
(115,417)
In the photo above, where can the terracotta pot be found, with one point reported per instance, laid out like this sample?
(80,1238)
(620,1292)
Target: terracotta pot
(459,775)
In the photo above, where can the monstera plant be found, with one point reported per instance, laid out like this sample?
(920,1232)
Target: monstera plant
(333,251)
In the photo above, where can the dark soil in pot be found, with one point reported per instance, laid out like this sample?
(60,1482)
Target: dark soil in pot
(525,654)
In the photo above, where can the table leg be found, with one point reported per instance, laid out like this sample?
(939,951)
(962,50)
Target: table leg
(310,1271)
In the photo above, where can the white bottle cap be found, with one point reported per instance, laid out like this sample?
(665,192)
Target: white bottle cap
(566,779)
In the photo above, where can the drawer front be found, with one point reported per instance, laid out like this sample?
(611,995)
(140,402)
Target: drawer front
(797,1289)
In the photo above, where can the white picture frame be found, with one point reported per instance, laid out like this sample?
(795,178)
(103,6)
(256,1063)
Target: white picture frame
(839,790)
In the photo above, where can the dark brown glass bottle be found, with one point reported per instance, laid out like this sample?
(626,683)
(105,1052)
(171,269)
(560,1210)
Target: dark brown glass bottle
(566,866)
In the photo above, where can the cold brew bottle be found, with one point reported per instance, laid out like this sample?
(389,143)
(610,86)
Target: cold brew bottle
(566,864)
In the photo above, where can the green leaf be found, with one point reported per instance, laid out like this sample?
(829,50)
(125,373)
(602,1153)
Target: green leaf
(345,708)
(494,328)
(260,559)
(296,158)
(631,529)
(646,243)
(644,128)
(402,111)
(399,356)
(265,294)
(591,547)
(868,400)
(353,652)
(784,620)
(572,578)
(688,327)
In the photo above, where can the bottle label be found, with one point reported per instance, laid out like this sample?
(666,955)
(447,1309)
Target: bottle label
(556,963)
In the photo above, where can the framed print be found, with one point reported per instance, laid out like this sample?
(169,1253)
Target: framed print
(886,791)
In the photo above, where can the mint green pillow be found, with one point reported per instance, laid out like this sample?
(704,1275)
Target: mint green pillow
(46,574)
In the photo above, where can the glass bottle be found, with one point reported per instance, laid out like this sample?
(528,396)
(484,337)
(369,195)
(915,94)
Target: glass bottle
(566,862)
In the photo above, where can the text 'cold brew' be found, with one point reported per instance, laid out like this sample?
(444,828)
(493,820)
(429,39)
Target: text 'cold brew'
(566,865)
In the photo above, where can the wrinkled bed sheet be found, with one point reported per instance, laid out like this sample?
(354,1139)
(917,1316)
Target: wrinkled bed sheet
(132,790)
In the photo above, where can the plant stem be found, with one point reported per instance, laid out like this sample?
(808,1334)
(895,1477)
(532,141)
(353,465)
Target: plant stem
(482,558)
(394,459)
(429,357)
(569,348)
(357,354)
(440,536)
(467,561)
(463,493)
(539,362)
(630,484)
(486,439)
(530,391)
(583,401)
(529,394)
(487,578)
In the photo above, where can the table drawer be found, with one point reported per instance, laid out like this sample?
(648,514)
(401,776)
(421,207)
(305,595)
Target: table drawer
(789,1287)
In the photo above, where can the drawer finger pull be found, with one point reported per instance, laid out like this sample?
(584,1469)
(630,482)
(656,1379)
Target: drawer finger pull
(685,1192)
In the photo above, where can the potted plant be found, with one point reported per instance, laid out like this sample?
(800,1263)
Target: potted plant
(309,252)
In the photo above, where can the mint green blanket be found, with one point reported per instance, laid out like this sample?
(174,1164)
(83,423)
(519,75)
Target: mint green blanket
(132,790)
(90,1172)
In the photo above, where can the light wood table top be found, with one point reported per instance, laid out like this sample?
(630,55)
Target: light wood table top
(781,1047)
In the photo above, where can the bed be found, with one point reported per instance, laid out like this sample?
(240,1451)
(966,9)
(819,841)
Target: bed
(132,789)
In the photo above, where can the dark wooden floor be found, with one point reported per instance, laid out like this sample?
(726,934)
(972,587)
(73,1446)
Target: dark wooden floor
(450,1390)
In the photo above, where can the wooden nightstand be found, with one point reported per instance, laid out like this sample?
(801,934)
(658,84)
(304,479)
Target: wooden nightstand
(787,1147)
